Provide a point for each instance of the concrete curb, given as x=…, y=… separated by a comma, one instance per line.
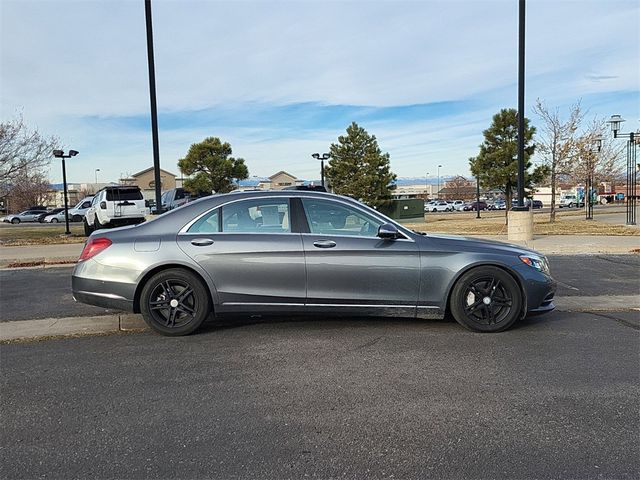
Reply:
x=68, y=326
x=129, y=322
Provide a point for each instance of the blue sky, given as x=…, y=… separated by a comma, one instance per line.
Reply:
x=281, y=80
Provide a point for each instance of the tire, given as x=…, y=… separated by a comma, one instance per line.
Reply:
x=15, y=221
x=571, y=205
x=167, y=309
x=96, y=223
x=54, y=220
x=87, y=228
x=486, y=299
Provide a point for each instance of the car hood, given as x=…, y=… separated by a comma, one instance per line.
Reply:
x=481, y=243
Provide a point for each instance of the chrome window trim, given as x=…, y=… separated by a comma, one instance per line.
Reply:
x=373, y=213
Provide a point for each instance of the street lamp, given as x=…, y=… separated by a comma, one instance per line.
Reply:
x=97, y=170
x=325, y=156
x=595, y=149
x=478, y=196
x=426, y=186
x=632, y=175
x=439, y=166
x=60, y=154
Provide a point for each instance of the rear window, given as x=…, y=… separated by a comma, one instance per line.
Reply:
x=124, y=194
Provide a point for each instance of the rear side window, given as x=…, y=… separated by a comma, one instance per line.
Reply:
x=124, y=194
x=257, y=216
x=207, y=224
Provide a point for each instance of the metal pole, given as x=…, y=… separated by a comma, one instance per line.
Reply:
x=521, y=117
x=631, y=180
x=154, y=108
x=66, y=202
x=478, y=197
x=322, y=172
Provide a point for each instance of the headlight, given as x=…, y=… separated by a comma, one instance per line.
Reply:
x=537, y=262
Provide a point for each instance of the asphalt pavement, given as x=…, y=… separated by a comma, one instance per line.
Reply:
x=36, y=293
x=555, y=397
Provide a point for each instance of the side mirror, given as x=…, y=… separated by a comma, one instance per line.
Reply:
x=388, y=231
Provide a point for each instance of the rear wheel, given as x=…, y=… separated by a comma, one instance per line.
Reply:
x=174, y=302
x=96, y=223
x=486, y=299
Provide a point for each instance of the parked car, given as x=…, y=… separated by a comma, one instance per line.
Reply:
x=442, y=206
x=457, y=204
x=292, y=252
x=115, y=206
x=481, y=205
x=56, y=217
x=570, y=201
x=536, y=204
x=26, y=216
x=429, y=205
x=176, y=197
x=76, y=214
x=497, y=205
x=53, y=211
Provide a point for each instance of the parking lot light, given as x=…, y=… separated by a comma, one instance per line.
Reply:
x=632, y=173
x=322, y=158
x=60, y=154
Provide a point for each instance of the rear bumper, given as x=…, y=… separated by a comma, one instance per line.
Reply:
x=116, y=295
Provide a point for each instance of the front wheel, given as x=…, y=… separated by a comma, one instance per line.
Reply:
x=174, y=302
x=15, y=221
x=486, y=299
x=571, y=205
x=54, y=220
x=87, y=228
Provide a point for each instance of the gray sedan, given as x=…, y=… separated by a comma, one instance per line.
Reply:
x=299, y=252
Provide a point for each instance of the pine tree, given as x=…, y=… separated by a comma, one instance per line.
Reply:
x=359, y=169
x=214, y=168
x=496, y=165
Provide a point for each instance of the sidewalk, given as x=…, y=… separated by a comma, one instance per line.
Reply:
x=547, y=244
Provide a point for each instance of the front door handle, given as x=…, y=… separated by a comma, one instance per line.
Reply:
x=202, y=242
x=324, y=243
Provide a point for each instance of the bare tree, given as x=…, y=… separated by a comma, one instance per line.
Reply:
x=557, y=143
x=23, y=149
x=604, y=165
x=29, y=191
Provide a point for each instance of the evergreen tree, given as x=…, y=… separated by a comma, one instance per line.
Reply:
x=214, y=168
x=497, y=163
x=359, y=169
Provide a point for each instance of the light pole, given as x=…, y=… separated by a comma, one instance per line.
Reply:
x=438, y=192
x=594, y=151
x=426, y=186
x=478, y=196
x=632, y=173
x=325, y=156
x=60, y=154
x=96, y=172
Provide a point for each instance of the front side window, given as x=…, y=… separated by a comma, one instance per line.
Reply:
x=332, y=218
x=264, y=215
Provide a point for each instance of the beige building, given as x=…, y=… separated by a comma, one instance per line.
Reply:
x=281, y=180
x=145, y=179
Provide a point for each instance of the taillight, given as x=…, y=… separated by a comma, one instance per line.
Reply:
x=93, y=247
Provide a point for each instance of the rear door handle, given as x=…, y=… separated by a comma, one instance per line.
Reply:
x=324, y=243
x=202, y=242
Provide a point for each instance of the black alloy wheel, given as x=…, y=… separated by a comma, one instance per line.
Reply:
x=486, y=299
x=174, y=302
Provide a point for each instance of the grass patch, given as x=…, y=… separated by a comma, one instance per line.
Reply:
x=17, y=235
x=493, y=223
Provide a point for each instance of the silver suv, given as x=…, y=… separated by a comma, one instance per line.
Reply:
x=115, y=206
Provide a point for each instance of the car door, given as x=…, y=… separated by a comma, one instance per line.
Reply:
x=349, y=265
x=249, y=250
